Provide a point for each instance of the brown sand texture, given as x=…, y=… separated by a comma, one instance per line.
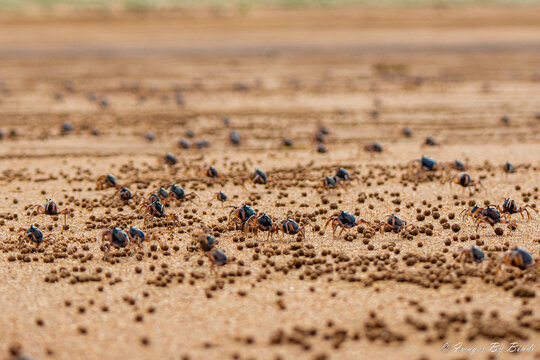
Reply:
x=469, y=77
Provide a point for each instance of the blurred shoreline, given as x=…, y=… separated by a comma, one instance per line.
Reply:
x=346, y=29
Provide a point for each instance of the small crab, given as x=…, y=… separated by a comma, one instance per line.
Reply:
x=156, y=209
x=211, y=172
x=183, y=143
x=138, y=236
x=407, y=132
x=473, y=212
x=115, y=237
x=124, y=194
x=258, y=177
x=177, y=193
x=492, y=216
x=322, y=149
x=234, y=136
x=473, y=254
x=153, y=197
x=35, y=235
x=425, y=163
x=393, y=223
x=509, y=207
x=430, y=141
x=373, y=147
x=66, y=128
x=50, y=208
x=161, y=195
x=464, y=179
x=344, y=220
x=200, y=144
x=217, y=258
x=149, y=136
x=343, y=175
x=106, y=181
x=323, y=130
x=256, y=223
x=220, y=196
x=170, y=159
x=458, y=165
x=330, y=182
x=207, y=241
x=290, y=227
x=509, y=168
x=517, y=257
x=240, y=214
x=287, y=142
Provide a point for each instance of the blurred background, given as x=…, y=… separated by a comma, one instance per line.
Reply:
x=266, y=25
x=276, y=58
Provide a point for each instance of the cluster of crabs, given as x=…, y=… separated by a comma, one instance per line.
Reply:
x=244, y=218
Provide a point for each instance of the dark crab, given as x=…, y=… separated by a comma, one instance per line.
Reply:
x=509, y=207
x=344, y=220
x=150, y=136
x=465, y=180
x=258, y=177
x=394, y=223
x=517, y=257
x=50, y=208
x=114, y=237
x=212, y=172
x=207, y=242
x=492, y=216
x=155, y=209
x=234, y=136
x=430, y=141
x=373, y=147
x=322, y=149
x=458, y=165
x=217, y=258
x=138, y=236
x=124, y=194
x=153, y=197
x=330, y=182
x=473, y=254
x=509, y=168
x=106, y=181
x=177, y=193
x=472, y=212
x=289, y=227
x=407, y=132
x=323, y=130
x=258, y=223
x=221, y=197
x=320, y=138
x=35, y=235
x=170, y=159
x=425, y=163
x=163, y=195
x=287, y=142
x=183, y=143
x=343, y=175
x=200, y=144
x=66, y=128
x=239, y=215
